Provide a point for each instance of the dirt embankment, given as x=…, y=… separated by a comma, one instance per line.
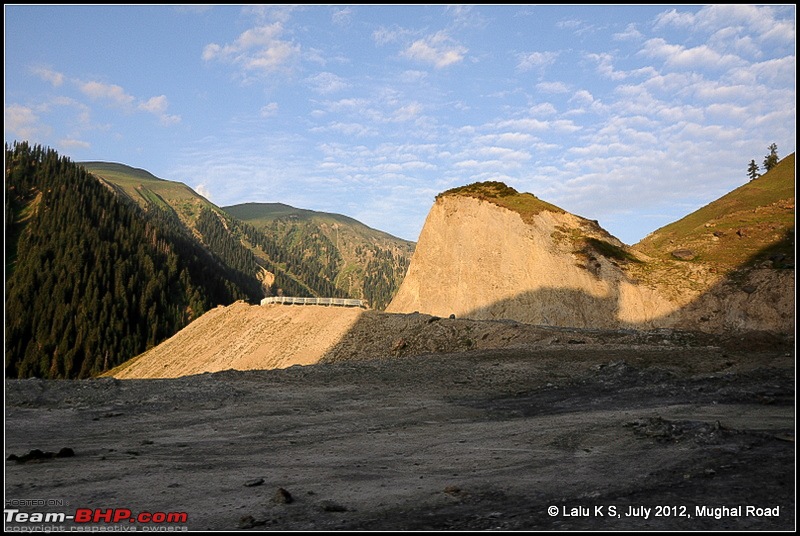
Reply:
x=245, y=337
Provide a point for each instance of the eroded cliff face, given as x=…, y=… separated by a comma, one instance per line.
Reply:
x=478, y=260
x=482, y=261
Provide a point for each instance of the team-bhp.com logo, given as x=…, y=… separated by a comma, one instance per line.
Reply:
x=96, y=515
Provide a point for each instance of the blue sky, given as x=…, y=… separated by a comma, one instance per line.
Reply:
x=633, y=116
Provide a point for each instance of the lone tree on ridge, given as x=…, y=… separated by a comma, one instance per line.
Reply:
x=771, y=160
x=752, y=170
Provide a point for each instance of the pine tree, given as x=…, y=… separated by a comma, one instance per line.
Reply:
x=752, y=170
x=771, y=160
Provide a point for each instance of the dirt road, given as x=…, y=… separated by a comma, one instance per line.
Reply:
x=488, y=439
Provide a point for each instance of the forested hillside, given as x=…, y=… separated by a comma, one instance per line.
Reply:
x=267, y=263
x=92, y=279
x=330, y=251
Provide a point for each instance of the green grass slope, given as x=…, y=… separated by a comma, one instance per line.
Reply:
x=751, y=224
x=308, y=253
x=146, y=189
x=261, y=214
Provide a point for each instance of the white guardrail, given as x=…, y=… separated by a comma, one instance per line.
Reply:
x=287, y=300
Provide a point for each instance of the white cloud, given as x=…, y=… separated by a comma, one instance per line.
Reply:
x=270, y=12
x=759, y=21
x=347, y=105
x=629, y=34
x=579, y=27
x=515, y=138
x=401, y=167
x=681, y=57
x=439, y=49
x=465, y=16
x=21, y=121
x=408, y=112
x=673, y=18
x=543, y=108
x=158, y=107
x=49, y=75
x=113, y=93
x=155, y=105
x=552, y=87
x=605, y=66
x=260, y=50
x=729, y=40
x=326, y=82
x=384, y=36
x=117, y=96
x=342, y=17
x=203, y=190
x=779, y=72
x=269, y=110
x=532, y=124
x=583, y=97
x=535, y=60
x=349, y=129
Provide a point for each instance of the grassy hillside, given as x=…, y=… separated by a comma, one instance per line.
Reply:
x=268, y=267
x=148, y=190
x=752, y=224
x=263, y=214
x=365, y=263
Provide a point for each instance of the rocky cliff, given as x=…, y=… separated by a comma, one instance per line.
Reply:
x=488, y=252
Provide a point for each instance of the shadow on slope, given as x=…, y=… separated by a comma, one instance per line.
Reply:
x=756, y=296
x=752, y=308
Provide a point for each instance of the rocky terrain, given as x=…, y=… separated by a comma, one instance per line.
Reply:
x=524, y=438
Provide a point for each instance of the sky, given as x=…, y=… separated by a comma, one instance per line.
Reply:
x=630, y=115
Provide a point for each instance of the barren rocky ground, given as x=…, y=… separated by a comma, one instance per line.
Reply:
x=482, y=439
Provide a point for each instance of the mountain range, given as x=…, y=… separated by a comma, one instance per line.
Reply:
x=104, y=261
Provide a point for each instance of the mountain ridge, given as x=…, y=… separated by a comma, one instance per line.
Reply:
x=592, y=280
x=291, y=252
